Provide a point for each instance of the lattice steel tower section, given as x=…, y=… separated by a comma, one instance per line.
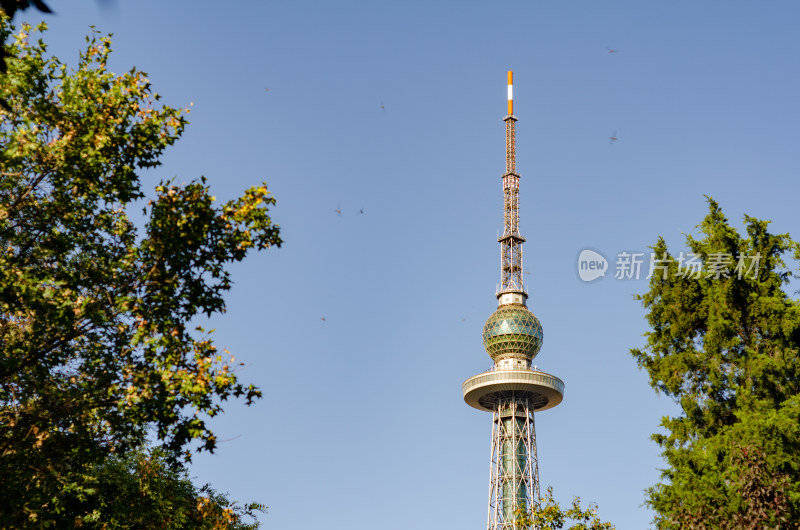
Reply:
x=511, y=390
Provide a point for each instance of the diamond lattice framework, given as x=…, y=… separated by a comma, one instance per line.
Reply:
x=512, y=331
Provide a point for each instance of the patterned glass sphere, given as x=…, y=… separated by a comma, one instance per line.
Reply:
x=512, y=331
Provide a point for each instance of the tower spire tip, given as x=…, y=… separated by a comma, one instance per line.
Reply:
x=510, y=93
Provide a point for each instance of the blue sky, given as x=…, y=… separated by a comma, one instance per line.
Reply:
x=362, y=424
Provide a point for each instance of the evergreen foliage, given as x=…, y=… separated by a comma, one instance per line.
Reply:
x=724, y=345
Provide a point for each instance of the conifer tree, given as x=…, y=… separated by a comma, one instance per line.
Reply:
x=723, y=344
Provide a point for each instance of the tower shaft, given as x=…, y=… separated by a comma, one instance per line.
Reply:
x=514, y=474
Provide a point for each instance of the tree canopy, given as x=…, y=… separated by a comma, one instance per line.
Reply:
x=142, y=489
x=99, y=306
x=723, y=343
x=549, y=515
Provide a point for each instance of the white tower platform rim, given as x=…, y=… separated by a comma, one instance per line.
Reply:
x=480, y=391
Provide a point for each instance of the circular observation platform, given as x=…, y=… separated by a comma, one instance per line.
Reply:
x=483, y=390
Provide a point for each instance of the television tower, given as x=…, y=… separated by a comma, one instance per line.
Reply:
x=511, y=390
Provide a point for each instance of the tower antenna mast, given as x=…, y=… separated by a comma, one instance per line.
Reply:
x=511, y=241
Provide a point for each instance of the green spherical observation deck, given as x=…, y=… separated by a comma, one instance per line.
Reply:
x=512, y=331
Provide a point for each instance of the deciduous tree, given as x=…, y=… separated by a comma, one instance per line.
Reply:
x=549, y=515
x=143, y=489
x=99, y=311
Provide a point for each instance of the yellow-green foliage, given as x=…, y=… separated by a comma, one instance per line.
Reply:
x=96, y=342
x=549, y=515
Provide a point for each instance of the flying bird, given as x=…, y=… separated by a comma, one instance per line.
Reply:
x=611, y=50
x=362, y=210
x=613, y=137
x=338, y=211
x=323, y=319
x=383, y=107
